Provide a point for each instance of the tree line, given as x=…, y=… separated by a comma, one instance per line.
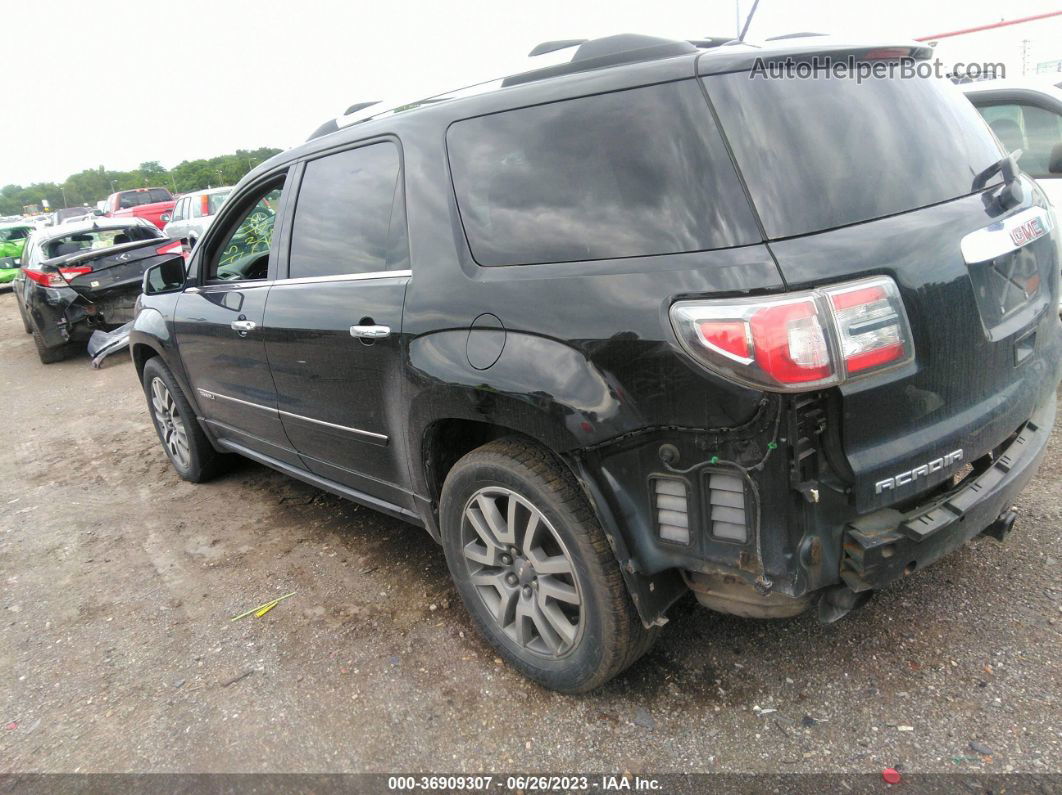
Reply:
x=93, y=184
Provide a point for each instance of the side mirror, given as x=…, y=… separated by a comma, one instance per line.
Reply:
x=165, y=218
x=1054, y=163
x=8, y=262
x=97, y=211
x=166, y=277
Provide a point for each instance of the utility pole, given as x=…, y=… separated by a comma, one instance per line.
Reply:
x=63, y=191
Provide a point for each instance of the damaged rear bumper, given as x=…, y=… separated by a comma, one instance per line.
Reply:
x=884, y=546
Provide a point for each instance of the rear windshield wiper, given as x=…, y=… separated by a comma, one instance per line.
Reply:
x=1011, y=194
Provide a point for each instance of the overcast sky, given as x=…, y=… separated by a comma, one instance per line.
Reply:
x=116, y=82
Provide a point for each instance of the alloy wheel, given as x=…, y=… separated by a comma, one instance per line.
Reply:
x=170, y=423
x=522, y=571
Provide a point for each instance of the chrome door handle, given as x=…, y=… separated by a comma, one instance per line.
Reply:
x=370, y=332
x=243, y=326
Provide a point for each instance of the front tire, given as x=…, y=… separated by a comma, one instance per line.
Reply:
x=535, y=570
x=185, y=444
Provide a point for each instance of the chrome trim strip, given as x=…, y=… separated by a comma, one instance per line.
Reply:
x=1005, y=236
x=206, y=393
x=346, y=428
x=212, y=287
x=344, y=277
x=214, y=395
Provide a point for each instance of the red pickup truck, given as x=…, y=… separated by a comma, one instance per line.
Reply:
x=148, y=203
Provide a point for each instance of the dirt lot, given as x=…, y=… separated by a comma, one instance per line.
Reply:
x=118, y=581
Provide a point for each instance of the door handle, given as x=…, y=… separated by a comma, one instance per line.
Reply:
x=243, y=326
x=370, y=332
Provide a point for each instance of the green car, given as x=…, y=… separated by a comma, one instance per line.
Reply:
x=12, y=240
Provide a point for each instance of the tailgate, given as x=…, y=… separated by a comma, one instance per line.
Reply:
x=119, y=267
x=987, y=341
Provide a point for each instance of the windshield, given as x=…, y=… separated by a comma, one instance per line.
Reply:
x=819, y=153
x=96, y=239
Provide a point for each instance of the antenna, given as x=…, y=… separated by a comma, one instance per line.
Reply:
x=748, y=21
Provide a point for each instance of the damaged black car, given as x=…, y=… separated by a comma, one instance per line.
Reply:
x=630, y=327
x=79, y=278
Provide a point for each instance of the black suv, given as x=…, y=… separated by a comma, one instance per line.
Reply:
x=647, y=322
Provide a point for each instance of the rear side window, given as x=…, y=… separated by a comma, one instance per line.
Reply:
x=822, y=153
x=626, y=174
x=349, y=216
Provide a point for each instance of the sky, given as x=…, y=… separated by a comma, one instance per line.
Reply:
x=117, y=83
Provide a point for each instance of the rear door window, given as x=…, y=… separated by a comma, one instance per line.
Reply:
x=819, y=153
x=349, y=217
x=631, y=173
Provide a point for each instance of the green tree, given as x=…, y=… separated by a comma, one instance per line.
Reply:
x=93, y=184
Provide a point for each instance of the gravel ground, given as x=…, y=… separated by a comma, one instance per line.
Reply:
x=118, y=581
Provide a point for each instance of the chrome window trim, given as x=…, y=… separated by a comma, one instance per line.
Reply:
x=345, y=277
x=209, y=395
x=213, y=287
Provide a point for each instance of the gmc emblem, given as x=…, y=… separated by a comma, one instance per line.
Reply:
x=911, y=475
x=1028, y=232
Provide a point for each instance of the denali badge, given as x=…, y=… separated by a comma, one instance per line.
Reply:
x=902, y=479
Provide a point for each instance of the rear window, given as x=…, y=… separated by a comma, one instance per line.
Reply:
x=821, y=153
x=134, y=198
x=630, y=173
x=97, y=239
x=215, y=200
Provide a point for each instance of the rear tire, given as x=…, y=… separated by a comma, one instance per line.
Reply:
x=25, y=319
x=187, y=447
x=535, y=570
x=49, y=355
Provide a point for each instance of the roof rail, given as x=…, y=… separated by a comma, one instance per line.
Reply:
x=360, y=106
x=553, y=46
x=599, y=53
x=795, y=36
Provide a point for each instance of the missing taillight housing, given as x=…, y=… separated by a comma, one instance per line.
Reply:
x=799, y=341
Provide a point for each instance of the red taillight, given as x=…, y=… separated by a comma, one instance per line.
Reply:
x=790, y=342
x=869, y=328
x=176, y=247
x=727, y=336
x=799, y=341
x=53, y=279
x=204, y=204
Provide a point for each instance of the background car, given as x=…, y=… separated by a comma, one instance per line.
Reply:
x=1026, y=115
x=148, y=203
x=13, y=239
x=193, y=213
x=78, y=278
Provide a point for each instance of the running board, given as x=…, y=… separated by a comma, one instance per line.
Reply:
x=325, y=484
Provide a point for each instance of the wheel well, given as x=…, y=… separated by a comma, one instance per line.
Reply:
x=446, y=441
x=141, y=354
